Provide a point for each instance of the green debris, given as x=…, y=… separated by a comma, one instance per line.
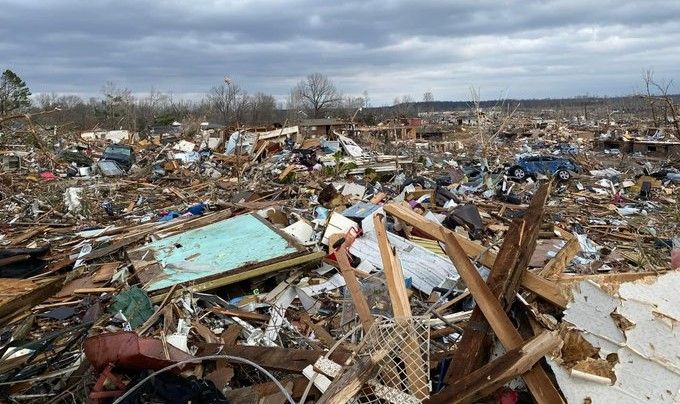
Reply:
x=134, y=304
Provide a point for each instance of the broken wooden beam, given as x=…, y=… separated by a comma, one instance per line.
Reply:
x=350, y=381
x=358, y=298
x=537, y=380
x=485, y=380
x=549, y=291
x=281, y=359
x=396, y=287
x=557, y=263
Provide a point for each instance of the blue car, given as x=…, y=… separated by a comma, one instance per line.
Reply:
x=530, y=166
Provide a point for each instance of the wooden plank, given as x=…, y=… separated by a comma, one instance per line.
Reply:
x=618, y=277
x=27, y=235
x=485, y=380
x=14, y=259
x=434, y=230
x=93, y=291
x=286, y=171
x=282, y=359
x=472, y=350
x=247, y=315
x=105, y=272
x=16, y=294
x=548, y=290
x=401, y=308
x=557, y=263
x=442, y=309
x=532, y=226
x=156, y=315
x=358, y=298
x=394, y=276
x=537, y=380
x=377, y=198
x=348, y=384
x=511, y=262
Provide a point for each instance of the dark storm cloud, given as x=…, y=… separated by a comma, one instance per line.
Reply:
x=389, y=48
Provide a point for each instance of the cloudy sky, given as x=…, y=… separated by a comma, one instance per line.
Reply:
x=527, y=49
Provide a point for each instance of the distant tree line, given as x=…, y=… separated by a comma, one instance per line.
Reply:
x=315, y=96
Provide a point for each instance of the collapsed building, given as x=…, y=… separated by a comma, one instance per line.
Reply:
x=331, y=262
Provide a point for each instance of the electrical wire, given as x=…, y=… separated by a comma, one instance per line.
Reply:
x=209, y=357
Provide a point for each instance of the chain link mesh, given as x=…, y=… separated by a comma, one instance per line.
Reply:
x=404, y=370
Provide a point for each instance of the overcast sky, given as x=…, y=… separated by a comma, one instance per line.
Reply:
x=528, y=49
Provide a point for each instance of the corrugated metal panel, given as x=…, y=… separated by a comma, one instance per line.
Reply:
x=430, y=245
x=425, y=268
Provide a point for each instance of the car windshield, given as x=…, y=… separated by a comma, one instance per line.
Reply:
x=118, y=150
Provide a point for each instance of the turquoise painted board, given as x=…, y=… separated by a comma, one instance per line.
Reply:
x=216, y=249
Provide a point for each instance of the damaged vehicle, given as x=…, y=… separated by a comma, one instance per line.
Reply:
x=116, y=160
x=532, y=165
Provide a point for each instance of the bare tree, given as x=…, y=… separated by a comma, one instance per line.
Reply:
x=117, y=107
x=428, y=97
x=490, y=123
x=230, y=102
x=367, y=100
x=263, y=108
x=221, y=99
x=294, y=107
x=403, y=106
x=153, y=109
x=648, y=78
x=317, y=93
x=663, y=97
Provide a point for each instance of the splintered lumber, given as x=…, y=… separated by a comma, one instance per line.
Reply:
x=544, y=288
x=488, y=378
x=286, y=171
x=473, y=250
x=326, y=367
x=281, y=359
x=394, y=276
x=532, y=226
x=349, y=382
x=401, y=308
x=20, y=294
x=27, y=235
x=536, y=379
x=510, y=263
x=557, y=264
x=476, y=340
x=323, y=335
x=358, y=298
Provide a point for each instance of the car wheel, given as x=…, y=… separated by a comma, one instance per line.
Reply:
x=518, y=173
x=563, y=175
